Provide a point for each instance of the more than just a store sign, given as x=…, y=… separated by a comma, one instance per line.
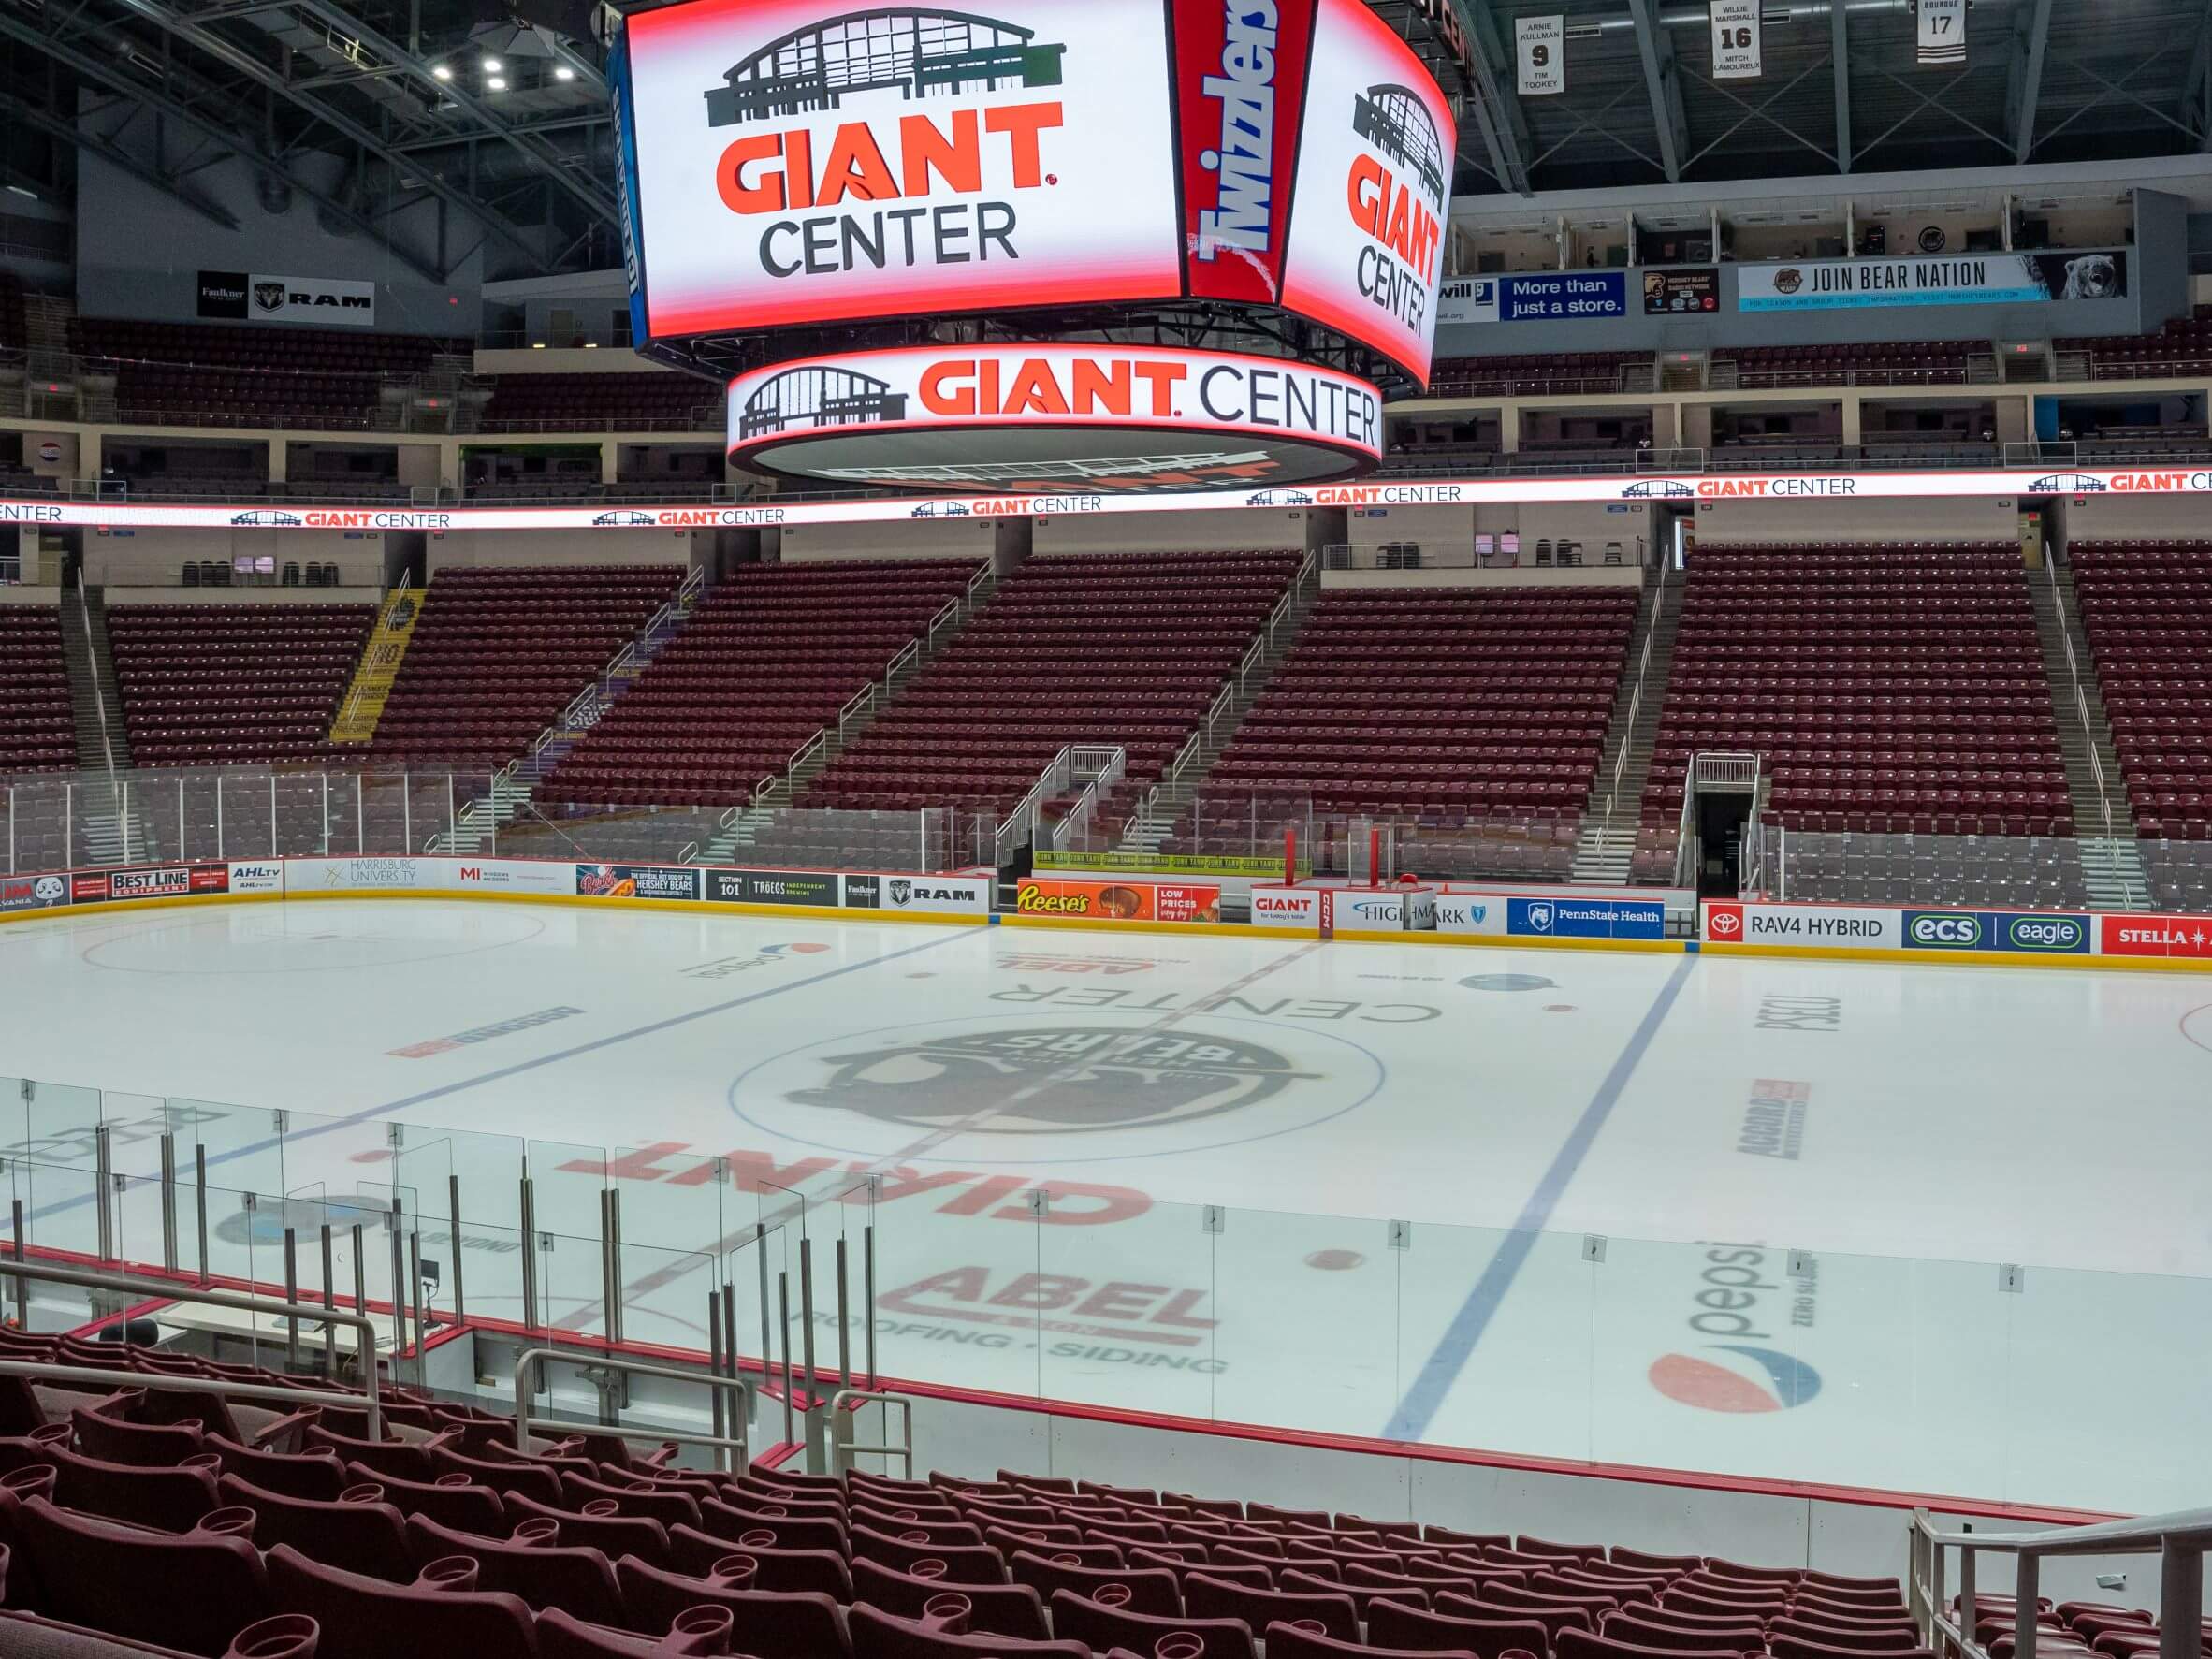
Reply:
x=791, y=163
x=1055, y=418
x=1683, y=489
x=1965, y=279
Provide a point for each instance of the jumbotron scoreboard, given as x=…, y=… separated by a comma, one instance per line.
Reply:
x=1113, y=244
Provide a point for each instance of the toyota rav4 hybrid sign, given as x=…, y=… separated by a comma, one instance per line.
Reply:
x=787, y=162
x=1078, y=416
x=799, y=161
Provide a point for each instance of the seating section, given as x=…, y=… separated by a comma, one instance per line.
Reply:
x=1533, y=376
x=1994, y=872
x=1893, y=688
x=208, y=374
x=2146, y=609
x=440, y=1537
x=767, y=660
x=216, y=345
x=2182, y=346
x=1125, y=648
x=500, y=651
x=1444, y=710
x=600, y=402
x=1901, y=362
x=38, y=732
x=211, y=685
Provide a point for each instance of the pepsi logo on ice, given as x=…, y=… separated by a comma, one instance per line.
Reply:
x=1740, y=1305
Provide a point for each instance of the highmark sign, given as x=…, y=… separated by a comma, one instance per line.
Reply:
x=1682, y=488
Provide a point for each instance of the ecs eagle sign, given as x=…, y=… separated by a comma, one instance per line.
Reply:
x=799, y=162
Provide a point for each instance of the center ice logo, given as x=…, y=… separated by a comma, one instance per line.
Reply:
x=1057, y=1079
x=1746, y=1379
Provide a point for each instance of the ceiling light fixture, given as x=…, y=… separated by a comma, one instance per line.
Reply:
x=442, y=72
x=497, y=83
x=563, y=72
x=492, y=66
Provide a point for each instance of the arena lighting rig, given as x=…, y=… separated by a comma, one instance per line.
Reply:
x=1120, y=245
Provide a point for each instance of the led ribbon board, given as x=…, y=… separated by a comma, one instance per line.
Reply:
x=1026, y=418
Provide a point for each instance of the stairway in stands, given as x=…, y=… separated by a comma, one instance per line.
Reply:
x=103, y=751
x=1610, y=823
x=1155, y=820
x=2111, y=861
x=379, y=666
x=513, y=786
x=744, y=826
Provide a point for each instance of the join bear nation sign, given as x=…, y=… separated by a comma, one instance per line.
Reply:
x=789, y=162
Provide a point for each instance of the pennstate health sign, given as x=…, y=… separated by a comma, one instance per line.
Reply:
x=1090, y=416
x=798, y=162
x=788, y=162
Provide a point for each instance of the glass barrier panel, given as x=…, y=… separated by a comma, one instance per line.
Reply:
x=959, y=1241
x=1126, y=1313
x=242, y=1147
x=1307, y=1321
x=571, y=1286
x=1494, y=1341
x=567, y=1181
x=666, y=1295
x=2106, y=1401
x=343, y=815
x=61, y=1211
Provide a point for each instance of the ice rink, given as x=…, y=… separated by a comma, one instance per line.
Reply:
x=1691, y=1212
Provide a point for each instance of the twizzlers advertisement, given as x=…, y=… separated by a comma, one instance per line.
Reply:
x=1366, y=252
x=792, y=161
x=1316, y=166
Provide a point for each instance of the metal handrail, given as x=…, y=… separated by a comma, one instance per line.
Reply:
x=92, y=663
x=2081, y=701
x=528, y=1359
x=844, y=1407
x=2180, y=1537
x=161, y=1291
x=1636, y=703
x=374, y=657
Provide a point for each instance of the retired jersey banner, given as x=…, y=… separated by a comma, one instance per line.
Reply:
x=1981, y=279
x=1735, y=48
x=1942, y=31
x=1540, y=44
x=798, y=162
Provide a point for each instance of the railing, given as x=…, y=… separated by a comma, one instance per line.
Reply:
x=2081, y=701
x=738, y=1408
x=92, y=667
x=293, y=1310
x=1018, y=827
x=1104, y=767
x=1635, y=702
x=2179, y=1539
x=382, y=659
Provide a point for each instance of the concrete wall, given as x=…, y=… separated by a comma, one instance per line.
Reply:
x=560, y=546
x=1995, y=519
x=150, y=558
x=1171, y=532
x=118, y=598
x=1521, y=575
x=2095, y=517
x=925, y=538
